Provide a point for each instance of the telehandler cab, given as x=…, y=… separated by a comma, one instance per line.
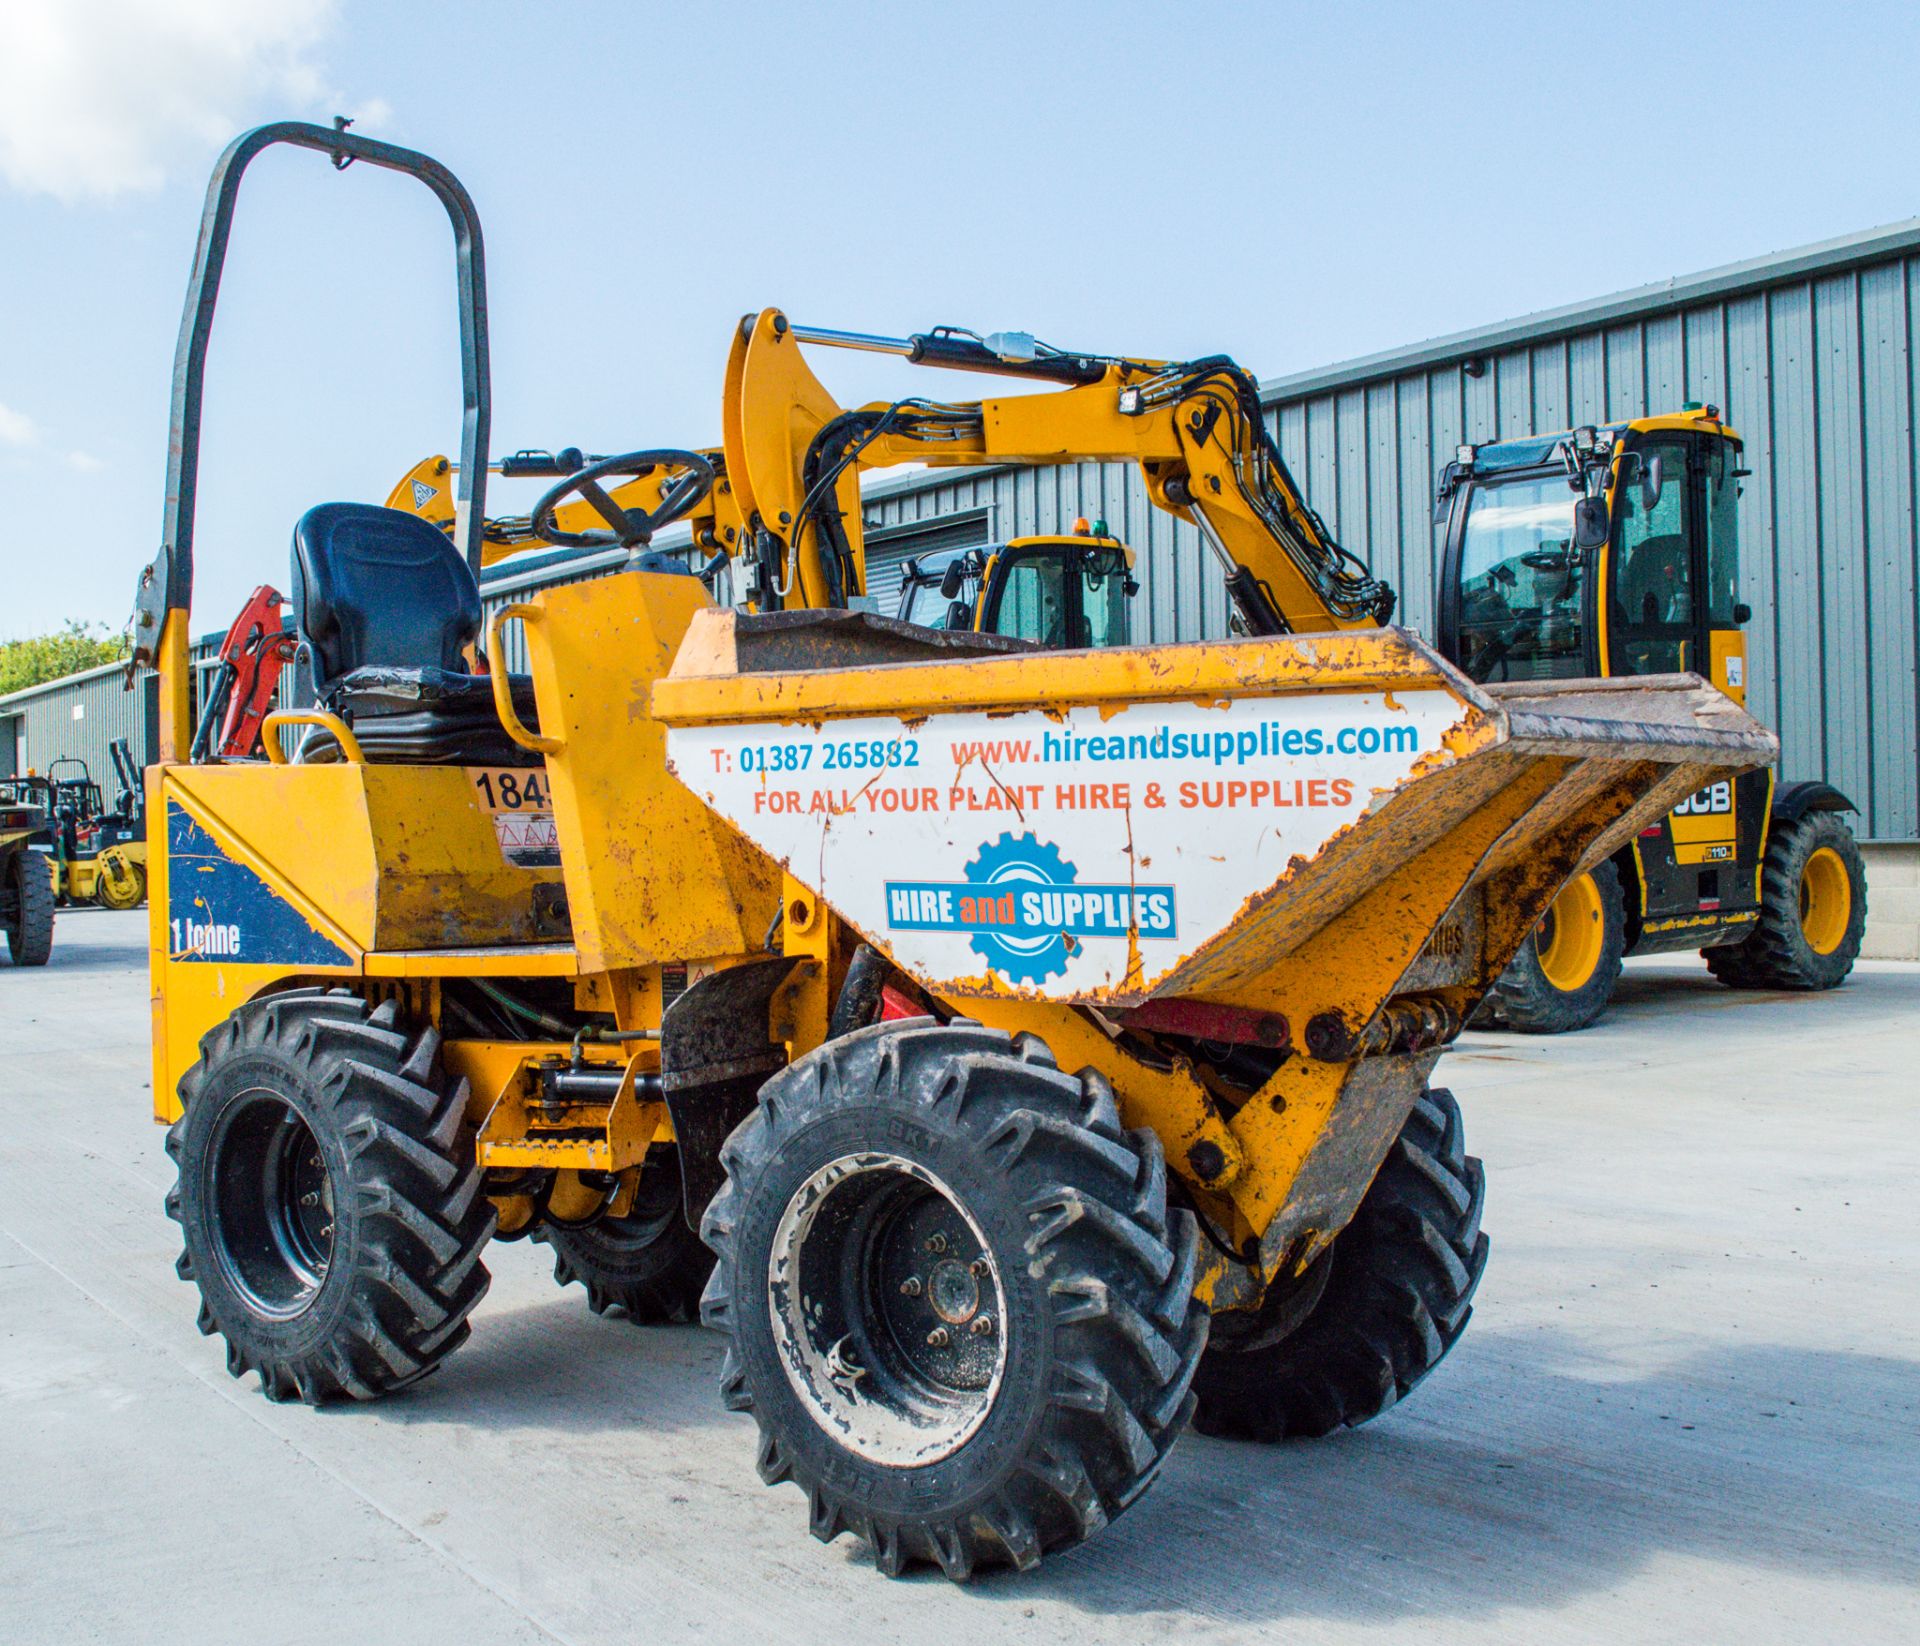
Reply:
x=1614, y=552
x=1001, y=1017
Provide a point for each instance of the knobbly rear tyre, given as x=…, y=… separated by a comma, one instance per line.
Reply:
x=957, y=1150
x=649, y=1265
x=329, y=1197
x=1376, y=1314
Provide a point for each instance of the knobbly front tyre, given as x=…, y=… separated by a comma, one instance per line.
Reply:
x=650, y=1264
x=329, y=1196
x=1373, y=1315
x=954, y=1297
x=1565, y=973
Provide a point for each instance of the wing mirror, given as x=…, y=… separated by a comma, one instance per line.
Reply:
x=1590, y=522
x=1653, y=482
x=951, y=579
x=1742, y=612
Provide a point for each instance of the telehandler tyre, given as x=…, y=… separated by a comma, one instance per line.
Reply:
x=649, y=1264
x=954, y=1297
x=30, y=932
x=1565, y=973
x=329, y=1196
x=1813, y=911
x=1375, y=1314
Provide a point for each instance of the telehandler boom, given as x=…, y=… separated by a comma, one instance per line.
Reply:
x=1003, y=1018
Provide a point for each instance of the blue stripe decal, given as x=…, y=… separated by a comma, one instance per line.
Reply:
x=219, y=910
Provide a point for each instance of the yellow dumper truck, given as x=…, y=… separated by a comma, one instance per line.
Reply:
x=1040, y=1041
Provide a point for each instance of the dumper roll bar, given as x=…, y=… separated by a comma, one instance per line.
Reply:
x=166, y=585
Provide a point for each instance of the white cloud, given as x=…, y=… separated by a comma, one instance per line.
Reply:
x=84, y=463
x=100, y=97
x=16, y=428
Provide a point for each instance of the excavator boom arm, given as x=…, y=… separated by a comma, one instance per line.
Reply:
x=1195, y=429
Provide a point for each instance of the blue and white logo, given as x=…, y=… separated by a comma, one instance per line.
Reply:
x=1023, y=908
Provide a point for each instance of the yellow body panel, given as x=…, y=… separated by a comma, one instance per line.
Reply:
x=1727, y=667
x=651, y=875
x=386, y=857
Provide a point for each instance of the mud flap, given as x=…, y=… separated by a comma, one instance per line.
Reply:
x=716, y=1052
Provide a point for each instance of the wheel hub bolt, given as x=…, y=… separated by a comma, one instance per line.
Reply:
x=910, y=1287
x=309, y=1199
x=937, y=1243
x=982, y=1326
x=938, y=1338
x=979, y=1268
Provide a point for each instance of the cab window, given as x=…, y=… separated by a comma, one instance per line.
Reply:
x=1650, y=602
x=1103, y=598
x=1522, y=606
x=1033, y=600
x=1723, y=532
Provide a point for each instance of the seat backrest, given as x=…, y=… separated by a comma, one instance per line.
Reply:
x=379, y=587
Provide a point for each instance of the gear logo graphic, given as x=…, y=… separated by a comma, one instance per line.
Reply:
x=1022, y=860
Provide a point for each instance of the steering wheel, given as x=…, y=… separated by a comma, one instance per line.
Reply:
x=627, y=529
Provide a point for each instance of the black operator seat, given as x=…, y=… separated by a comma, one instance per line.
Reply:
x=384, y=606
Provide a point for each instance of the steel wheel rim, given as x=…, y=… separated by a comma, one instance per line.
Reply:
x=888, y=1310
x=271, y=1200
x=120, y=886
x=1573, y=935
x=1826, y=900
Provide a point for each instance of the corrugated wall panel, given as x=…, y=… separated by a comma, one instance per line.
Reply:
x=1383, y=482
x=1796, y=529
x=1887, y=443
x=1418, y=465
x=81, y=720
x=1550, y=387
x=1842, y=565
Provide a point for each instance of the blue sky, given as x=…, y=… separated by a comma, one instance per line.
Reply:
x=1290, y=184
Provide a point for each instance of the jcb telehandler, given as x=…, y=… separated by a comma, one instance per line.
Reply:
x=1002, y=1017
x=1614, y=552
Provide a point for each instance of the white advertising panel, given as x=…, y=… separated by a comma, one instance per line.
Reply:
x=1049, y=848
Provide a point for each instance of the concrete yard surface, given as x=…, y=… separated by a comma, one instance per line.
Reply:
x=1688, y=1407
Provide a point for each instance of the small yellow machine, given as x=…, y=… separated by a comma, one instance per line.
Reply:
x=1003, y=1018
x=1615, y=552
x=100, y=854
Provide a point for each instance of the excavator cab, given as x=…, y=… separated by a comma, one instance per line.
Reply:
x=1064, y=593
